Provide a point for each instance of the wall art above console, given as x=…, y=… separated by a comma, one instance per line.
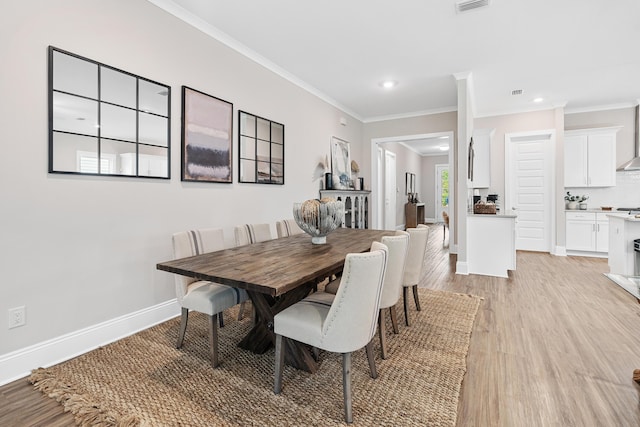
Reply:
x=106, y=121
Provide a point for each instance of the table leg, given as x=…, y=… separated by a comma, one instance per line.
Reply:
x=261, y=337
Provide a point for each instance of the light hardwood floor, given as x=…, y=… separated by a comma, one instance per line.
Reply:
x=555, y=344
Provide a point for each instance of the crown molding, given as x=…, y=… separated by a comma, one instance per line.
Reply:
x=601, y=108
x=410, y=115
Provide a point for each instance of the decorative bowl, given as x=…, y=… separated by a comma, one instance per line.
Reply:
x=318, y=218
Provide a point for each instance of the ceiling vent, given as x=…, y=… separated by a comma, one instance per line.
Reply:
x=465, y=6
x=516, y=92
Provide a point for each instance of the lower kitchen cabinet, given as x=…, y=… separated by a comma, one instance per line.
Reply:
x=587, y=232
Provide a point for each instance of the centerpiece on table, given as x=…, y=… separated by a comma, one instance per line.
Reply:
x=572, y=202
x=318, y=218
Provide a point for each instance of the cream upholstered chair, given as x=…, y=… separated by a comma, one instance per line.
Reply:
x=445, y=226
x=414, y=267
x=199, y=295
x=342, y=324
x=393, y=280
x=252, y=233
x=287, y=227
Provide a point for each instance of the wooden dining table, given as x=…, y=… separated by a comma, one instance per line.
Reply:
x=276, y=274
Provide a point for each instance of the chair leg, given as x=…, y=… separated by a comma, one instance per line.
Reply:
x=279, y=365
x=346, y=386
x=394, y=319
x=383, y=335
x=372, y=360
x=213, y=339
x=415, y=297
x=183, y=326
x=444, y=229
x=221, y=319
x=316, y=353
x=405, y=291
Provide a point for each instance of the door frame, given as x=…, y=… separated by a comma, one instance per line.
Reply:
x=509, y=139
x=377, y=143
x=391, y=210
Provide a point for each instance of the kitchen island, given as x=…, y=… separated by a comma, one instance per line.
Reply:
x=623, y=229
x=491, y=244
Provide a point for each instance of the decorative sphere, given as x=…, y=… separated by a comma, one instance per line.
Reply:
x=318, y=218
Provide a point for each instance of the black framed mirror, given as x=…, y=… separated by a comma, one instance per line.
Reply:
x=261, y=149
x=106, y=121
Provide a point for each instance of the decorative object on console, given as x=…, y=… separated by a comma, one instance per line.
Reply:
x=207, y=132
x=341, y=164
x=318, y=218
x=106, y=121
x=261, y=150
x=484, y=208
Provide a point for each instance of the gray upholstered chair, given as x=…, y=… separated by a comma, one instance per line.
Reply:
x=398, y=246
x=252, y=233
x=287, y=227
x=342, y=323
x=414, y=268
x=393, y=280
x=199, y=295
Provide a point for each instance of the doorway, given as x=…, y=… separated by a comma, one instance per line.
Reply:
x=441, y=202
x=529, y=187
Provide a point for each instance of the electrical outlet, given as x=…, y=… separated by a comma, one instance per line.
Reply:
x=17, y=317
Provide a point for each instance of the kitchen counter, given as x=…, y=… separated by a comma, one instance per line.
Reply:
x=623, y=229
x=491, y=243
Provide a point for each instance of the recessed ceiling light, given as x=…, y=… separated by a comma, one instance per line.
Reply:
x=443, y=147
x=538, y=99
x=388, y=84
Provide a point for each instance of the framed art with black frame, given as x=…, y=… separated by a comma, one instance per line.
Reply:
x=207, y=134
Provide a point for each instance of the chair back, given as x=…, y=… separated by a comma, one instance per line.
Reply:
x=394, y=274
x=287, y=227
x=190, y=243
x=416, y=255
x=351, y=321
x=252, y=233
x=445, y=218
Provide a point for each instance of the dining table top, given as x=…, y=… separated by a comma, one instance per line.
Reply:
x=277, y=266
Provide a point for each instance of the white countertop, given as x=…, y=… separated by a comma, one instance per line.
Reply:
x=623, y=215
x=508, y=214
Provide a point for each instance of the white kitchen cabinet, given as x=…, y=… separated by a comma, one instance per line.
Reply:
x=482, y=158
x=623, y=230
x=590, y=157
x=587, y=232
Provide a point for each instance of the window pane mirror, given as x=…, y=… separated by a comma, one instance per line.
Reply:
x=105, y=121
x=261, y=149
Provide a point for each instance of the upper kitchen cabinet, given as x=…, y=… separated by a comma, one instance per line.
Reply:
x=590, y=157
x=482, y=158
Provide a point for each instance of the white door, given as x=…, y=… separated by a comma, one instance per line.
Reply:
x=380, y=201
x=528, y=188
x=389, y=190
x=442, y=191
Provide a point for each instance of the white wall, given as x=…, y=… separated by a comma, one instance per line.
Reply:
x=77, y=251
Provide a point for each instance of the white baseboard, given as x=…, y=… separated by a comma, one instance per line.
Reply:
x=19, y=363
x=462, y=268
x=560, y=251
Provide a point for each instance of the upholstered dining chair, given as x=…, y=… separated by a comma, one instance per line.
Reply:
x=445, y=226
x=287, y=227
x=393, y=280
x=252, y=233
x=199, y=295
x=414, y=267
x=342, y=323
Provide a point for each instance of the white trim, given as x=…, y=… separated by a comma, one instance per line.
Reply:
x=19, y=363
x=462, y=268
x=197, y=22
x=600, y=108
x=559, y=251
x=410, y=114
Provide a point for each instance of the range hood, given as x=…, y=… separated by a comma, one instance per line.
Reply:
x=634, y=164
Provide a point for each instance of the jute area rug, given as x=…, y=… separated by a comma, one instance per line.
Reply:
x=144, y=380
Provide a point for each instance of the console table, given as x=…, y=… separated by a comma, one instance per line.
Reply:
x=356, y=206
x=414, y=214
